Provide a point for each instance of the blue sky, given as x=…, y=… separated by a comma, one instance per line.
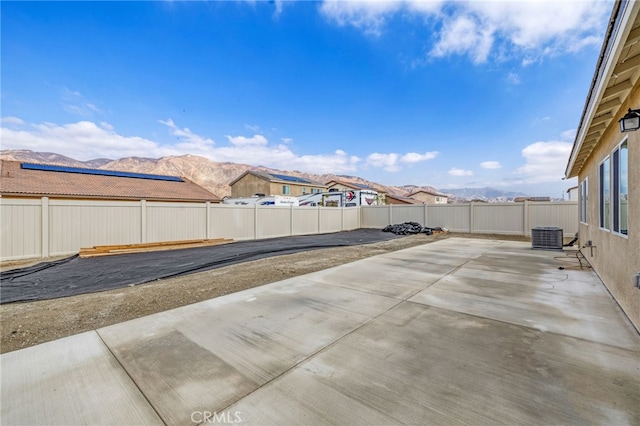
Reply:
x=440, y=93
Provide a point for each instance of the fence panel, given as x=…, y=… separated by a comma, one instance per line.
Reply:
x=175, y=221
x=351, y=218
x=42, y=227
x=408, y=213
x=454, y=217
x=74, y=224
x=330, y=219
x=505, y=218
x=21, y=224
x=561, y=214
x=274, y=221
x=374, y=216
x=231, y=221
x=305, y=220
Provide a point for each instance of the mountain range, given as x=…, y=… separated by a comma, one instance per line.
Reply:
x=215, y=176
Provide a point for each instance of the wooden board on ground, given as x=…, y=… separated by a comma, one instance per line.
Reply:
x=111, y=250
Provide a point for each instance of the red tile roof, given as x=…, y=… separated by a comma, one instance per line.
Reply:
x=16, y=181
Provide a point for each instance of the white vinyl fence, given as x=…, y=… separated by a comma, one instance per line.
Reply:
x=481, y=218
x=36, y=228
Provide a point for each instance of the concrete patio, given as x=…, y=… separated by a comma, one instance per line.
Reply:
x=460, y=331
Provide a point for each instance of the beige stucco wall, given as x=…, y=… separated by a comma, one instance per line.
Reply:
x=250, y=184
x=430, y=198
x=616, y=258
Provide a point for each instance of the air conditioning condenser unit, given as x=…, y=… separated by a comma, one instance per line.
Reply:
x=546, y=238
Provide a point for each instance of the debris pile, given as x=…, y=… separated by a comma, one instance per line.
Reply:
x=406, y=228
x=410, y=228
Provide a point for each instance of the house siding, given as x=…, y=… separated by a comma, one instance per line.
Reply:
x=429, y=198
x=615, y=258
x=249, y=185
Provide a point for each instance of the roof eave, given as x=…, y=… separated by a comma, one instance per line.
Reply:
x=608, y=58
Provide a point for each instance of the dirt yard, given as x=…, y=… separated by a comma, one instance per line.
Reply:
x=30, y=323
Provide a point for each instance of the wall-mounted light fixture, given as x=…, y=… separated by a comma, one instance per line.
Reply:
x=631, y=121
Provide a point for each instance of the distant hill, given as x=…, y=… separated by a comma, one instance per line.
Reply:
x=485, y=194
x=211, y=175
x=27, y=156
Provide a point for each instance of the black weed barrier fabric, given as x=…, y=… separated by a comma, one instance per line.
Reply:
x=76, y=275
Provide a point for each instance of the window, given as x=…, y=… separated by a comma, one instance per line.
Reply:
x=583, y=198
x=620, y=190
x=304, y=190
x=316, y=190
x=604, y=179
x=286, y=190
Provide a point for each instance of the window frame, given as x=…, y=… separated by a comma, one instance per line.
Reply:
x=616, y=188
x=604, y=194
x=583, y=201
x=286, y=190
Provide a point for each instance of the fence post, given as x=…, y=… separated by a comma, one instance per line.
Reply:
x=471, y=219
x=390, y=214
x=291, y=220
x=525, y=218
x=426, y=218
x=207, y=217
x=255, y=221
x=44, y=227
x=143, y=221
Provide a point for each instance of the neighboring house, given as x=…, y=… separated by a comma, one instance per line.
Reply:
x=535, y=199
x=341, y=186
x=428, y=197
x=572, y=194
x=398, y=199
x=607, y=163
x=253, y=182
x=26, y=180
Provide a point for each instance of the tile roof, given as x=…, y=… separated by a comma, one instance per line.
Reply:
x=15, y=180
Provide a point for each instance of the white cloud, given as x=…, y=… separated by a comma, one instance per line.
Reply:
x=368, y=16
x=388, y=162
x=532, y=29
x=74, y=103
x=188, y=141
x=513, y=78
x=85, y=140
x=568, y=135
x=244, y=141
x=465, y=35
x=490, y=165
x=414, y=157
x=391, y=162
x=529, y=30
x=460, y=172
x=12, y=121
x=544, y=161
